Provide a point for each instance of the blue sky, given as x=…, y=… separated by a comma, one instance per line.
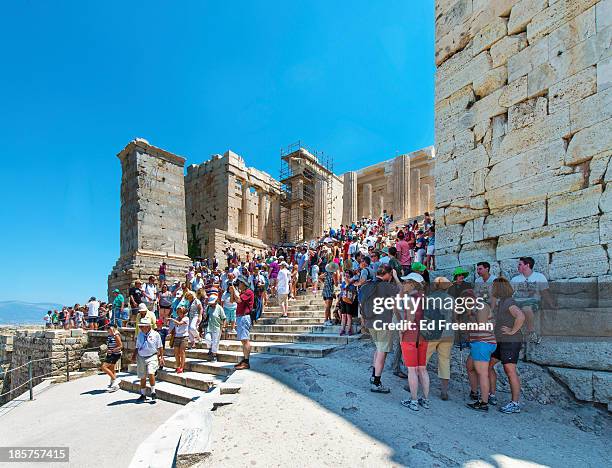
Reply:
x=81, y=79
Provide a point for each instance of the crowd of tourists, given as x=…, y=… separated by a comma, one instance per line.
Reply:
x=350, y=268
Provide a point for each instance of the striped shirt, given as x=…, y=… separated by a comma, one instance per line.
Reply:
x=486, y=336
x=111, y=343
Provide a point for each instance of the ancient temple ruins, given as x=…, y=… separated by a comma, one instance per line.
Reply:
x=172, y=217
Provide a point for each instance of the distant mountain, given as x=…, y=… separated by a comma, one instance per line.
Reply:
x=24, y=313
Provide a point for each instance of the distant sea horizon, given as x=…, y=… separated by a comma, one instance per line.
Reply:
x=24, y=313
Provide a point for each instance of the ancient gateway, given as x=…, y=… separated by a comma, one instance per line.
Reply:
x=172, y=217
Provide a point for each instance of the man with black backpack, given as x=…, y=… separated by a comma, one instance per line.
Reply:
x=439, y=307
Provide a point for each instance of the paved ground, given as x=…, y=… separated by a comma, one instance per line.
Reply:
x=101, y=429
x=320, y=412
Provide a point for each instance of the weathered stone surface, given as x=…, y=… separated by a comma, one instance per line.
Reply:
x=475, y=252
x=527, y=60
x=605, y=202
x=598, y=167
x=526, y=165
x=602, y=387
x=449, y=237
x=572, y=89
x=522, y=13
x=591, y=110
x=491, y=81
x=555, y=16
x=572, y=353
x=557, y=237
x=527, y=112
x=588, y=142
x=90, y=360
x=579, y=381
x=580, y=204
x=538, y=187
x=603, y=14
x=507, y=47
x=548, y=128
x=605, y=228
x=448, y=84
x=490, y=34
x=604, y=74
x=581, y=262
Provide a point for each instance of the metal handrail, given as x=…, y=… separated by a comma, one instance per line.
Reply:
x=31, y=377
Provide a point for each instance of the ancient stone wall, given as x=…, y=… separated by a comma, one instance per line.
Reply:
x=523, y=136
x=47, y=350
x=153, y=226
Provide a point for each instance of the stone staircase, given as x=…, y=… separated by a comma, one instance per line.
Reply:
x=300, y=334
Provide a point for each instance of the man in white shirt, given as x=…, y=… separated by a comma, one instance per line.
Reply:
x=283, y=281
x=197, y=283
x=484, y=281
x=149, y=293
x=530, y=293
x=92, y=313
x=149, y=355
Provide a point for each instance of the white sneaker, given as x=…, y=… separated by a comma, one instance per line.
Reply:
x=114, y=388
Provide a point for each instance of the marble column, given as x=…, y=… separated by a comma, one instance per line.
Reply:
x=349, y=198
x=425, y=198
x=275, y=213
x=262, y=211
x=415, y=193
x=367, y=201
x=380, y=206
x=320, y=208
x=244, y=211
x=401, y=187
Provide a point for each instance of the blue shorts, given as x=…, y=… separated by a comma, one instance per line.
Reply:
x=230, y=314
x=243, y=327
x=481, y=351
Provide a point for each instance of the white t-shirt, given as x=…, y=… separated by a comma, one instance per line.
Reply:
x=282, y=281
x=47, y=318
x=150, y=293
x=529, y=287
x=480, y=285
x=92, y=308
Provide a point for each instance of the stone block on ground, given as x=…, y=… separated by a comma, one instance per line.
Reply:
x=579, y=381
x=90, y=360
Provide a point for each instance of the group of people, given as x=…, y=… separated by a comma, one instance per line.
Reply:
x=350, y=267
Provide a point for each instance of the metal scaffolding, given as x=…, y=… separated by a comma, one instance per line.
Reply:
x=301, y=168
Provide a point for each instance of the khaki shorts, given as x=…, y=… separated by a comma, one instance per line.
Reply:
x=383, y=339
x=146, y=366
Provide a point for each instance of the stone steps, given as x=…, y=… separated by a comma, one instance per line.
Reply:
x=232, y=349
x=218, y=368
x=294, y=314
x=166, y=391
x=281, y=328
x=290, y=320
x=300, y=337
x=295, y=308
x=191, y=379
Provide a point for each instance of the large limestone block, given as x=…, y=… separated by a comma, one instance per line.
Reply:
x=527, y=60
x=588, y=142
x=538, y=187
x=587, y=354
x=602, y=386
x=448, y=236
x=565, y=63
x=591, y=110
x=472, y=160
x=598, y=167
x=491, y=81
x=527, y=112
x=573, y=32
x=451, y=43
x=582, y=262
x=514, y=92
x=448, y=84
x=490, y=34
x=605, y=202
x=579, y=381
x=447, y=257
x=605, y=228
x=521, y=166
x=571, y=295
x=555, y=16
x=457, y=14
x=604, y=74
x=556, y=237
x=549, y=128
x=460, y=214
x=603, y=14
x=572, y=89
x=581, y=204
x=483, y=109
x=506, y=48
x=472, y=253
x=522, y=12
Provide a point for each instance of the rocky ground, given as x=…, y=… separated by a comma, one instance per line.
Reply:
x=320, y=412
